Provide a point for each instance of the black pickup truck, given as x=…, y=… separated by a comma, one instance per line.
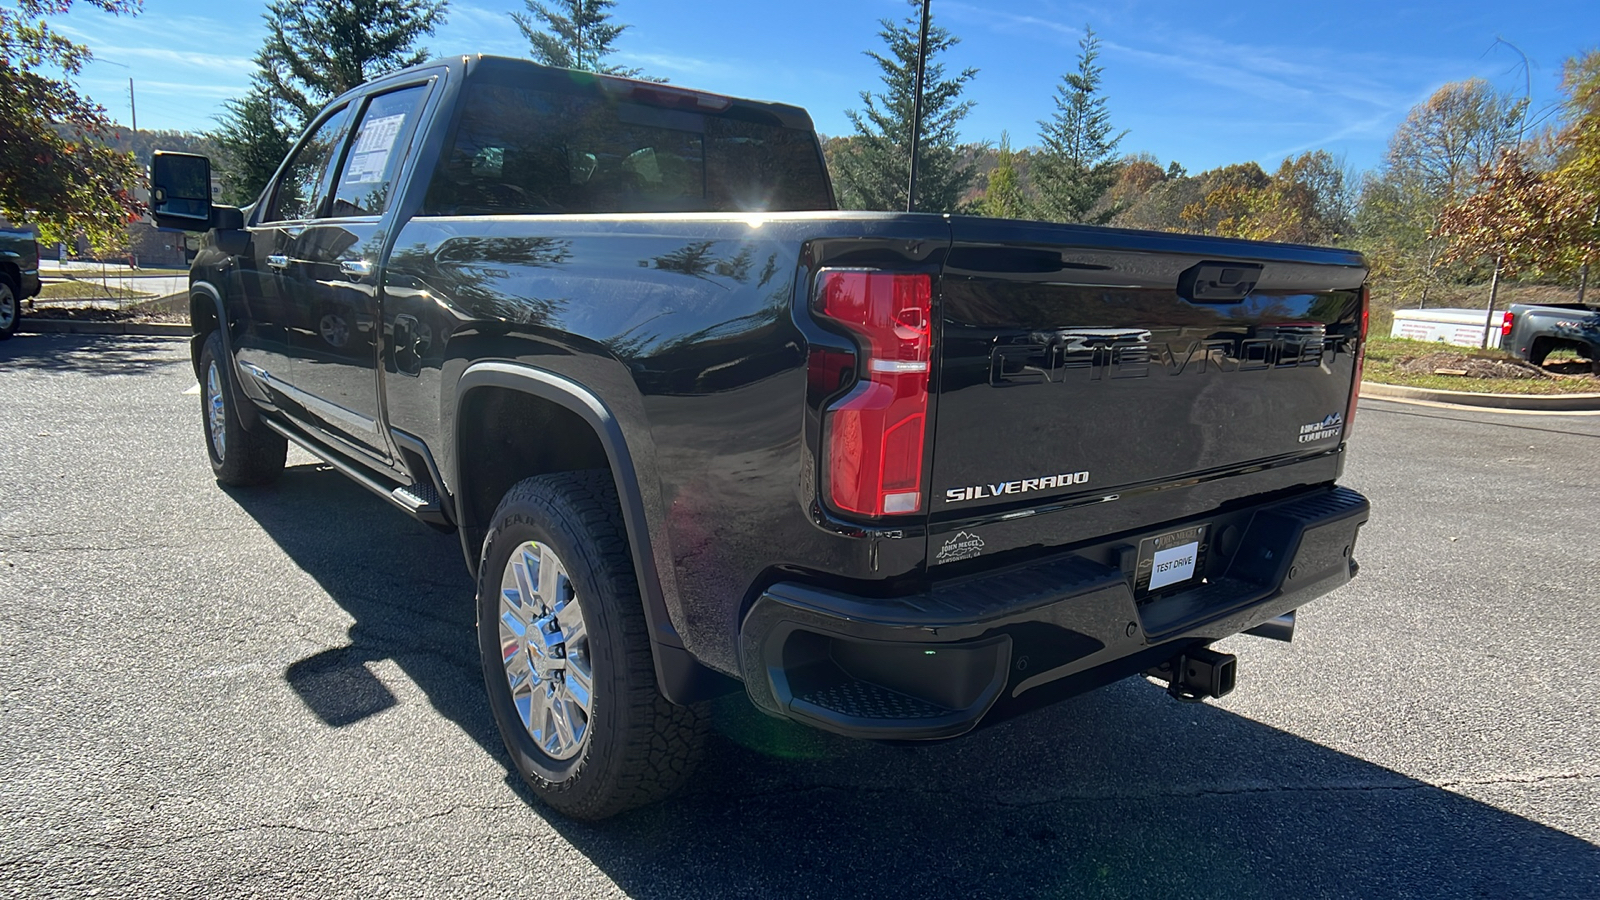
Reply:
x=899, y=475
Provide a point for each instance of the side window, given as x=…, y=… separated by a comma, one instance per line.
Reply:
x=520, y=151
x=303, y=185
x=375, y=154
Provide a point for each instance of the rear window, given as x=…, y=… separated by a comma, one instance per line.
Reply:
x=522, y=151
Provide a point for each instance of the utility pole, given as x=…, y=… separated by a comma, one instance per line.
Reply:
x=133, y=108
x=916, y=110
x=1522, y=124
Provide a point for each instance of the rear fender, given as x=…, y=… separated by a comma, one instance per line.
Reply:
x=681, y=678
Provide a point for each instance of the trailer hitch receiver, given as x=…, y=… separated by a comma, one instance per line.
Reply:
x=1198, y=674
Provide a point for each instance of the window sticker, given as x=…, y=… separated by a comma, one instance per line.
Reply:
x=370, y=156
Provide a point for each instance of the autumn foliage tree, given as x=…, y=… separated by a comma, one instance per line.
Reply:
x=1578, y=175
x=56, y=169
x=1518, y=215
x=1136, y=177
x=1535, y=218
x=1433, y=160
x=1304, y=202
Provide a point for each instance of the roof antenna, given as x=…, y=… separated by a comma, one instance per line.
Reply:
x=916, y=110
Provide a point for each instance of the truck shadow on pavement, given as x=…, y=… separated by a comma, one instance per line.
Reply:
x=1118, y=793
x=91, y=354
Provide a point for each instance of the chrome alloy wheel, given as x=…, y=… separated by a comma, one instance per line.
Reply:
x=8, y=306
x=544, y=648
x=216, y=412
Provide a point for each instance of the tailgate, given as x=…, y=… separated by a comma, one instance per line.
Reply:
x=1080, y=362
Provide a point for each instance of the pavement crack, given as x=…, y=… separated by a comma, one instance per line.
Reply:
x=309, y=829
x=90, y=549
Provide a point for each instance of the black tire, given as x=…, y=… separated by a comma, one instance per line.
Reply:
x=638, y=748
x=10, y=308
x=244, y=458
x=1539, y=352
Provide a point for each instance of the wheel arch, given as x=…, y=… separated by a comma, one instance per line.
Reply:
x=681, y=678
x=207, y=313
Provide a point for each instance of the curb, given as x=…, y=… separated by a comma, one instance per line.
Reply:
x=73, y=326
x=1523, y=402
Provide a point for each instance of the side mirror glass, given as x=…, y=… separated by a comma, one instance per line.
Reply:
x=180, y=191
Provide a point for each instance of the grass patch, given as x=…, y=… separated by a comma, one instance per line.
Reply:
x=173, y=308
x=86, y=290
x=1386, y=358
x=1388, y=349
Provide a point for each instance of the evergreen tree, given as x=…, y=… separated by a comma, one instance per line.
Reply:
x=318, y=49
x=874, y=168
x=578, y=34
x=1003, y=199
x=1078, y=163
x=315, y=50
x=254, y=136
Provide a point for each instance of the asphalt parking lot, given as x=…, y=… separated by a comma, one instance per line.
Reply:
x=213, y=693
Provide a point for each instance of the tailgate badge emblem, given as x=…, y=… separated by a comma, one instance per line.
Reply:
x=1321, y=431
x=1022, y=486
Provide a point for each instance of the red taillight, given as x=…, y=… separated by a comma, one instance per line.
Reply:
x=1361, y=362
x=1505, y=324
x=874, y=435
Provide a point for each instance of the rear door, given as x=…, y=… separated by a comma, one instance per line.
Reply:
x=1081, y=362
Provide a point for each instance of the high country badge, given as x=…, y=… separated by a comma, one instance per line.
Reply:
x=1321, y=431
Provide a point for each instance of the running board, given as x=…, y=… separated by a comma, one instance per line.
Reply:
x=420, y=501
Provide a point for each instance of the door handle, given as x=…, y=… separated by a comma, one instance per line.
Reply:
x=278, y=261
x=357, y=267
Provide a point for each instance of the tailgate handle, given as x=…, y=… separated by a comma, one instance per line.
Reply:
x=1216, y=282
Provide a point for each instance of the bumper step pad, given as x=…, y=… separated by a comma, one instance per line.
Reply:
x=864, y=700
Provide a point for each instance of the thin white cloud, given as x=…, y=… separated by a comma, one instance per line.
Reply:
x=206, y=62
x=178, y=89
x=470, y=15
x=677, y=64
x=1010, y=22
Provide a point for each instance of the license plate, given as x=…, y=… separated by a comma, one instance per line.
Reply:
x=1174, y=558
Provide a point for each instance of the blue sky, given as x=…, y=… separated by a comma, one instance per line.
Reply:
x=1204, y=84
